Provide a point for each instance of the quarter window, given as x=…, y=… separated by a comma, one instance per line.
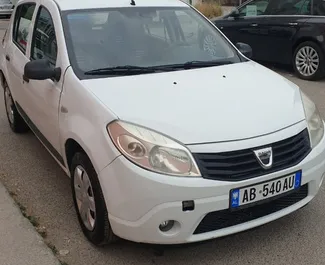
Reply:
x=44, y=43
x=23, y=19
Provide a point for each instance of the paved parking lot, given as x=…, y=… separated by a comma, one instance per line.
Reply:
x=28, y=170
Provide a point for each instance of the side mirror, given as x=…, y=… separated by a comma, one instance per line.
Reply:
x=41, y=69
x=234, y=13
x=245, y=49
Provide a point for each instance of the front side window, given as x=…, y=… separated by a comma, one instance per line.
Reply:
x=143, y=37
x=23, y=19
x=254, y=8
x=44, y=43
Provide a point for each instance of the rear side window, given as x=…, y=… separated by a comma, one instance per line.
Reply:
x=319, y=7
x=22, y=21
x=289, y=7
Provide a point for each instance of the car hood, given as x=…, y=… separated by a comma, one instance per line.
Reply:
x=205, y=105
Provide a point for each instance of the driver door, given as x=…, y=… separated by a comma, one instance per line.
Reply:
x=43, y=96
x=244, y=27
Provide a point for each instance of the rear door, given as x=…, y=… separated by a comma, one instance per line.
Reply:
x=16, y=52
x=278, y=29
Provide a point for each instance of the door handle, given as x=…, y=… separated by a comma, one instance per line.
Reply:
x=26, y=79
x=293, y=23
x=254, y=25
x=7, y=58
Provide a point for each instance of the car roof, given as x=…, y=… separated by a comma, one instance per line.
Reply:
x=88, y=4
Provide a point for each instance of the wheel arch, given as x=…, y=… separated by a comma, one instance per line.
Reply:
x=71, y=147
x=304, y=39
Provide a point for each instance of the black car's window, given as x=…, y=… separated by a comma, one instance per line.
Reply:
x=23, y=18
x=276, y=7
x=254, y=8
x=289, y=7
x=44, y=43
x=319, y=7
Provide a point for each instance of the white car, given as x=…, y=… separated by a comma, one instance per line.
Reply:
x=170, y=134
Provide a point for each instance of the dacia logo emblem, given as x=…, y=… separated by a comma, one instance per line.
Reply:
x=264, y=157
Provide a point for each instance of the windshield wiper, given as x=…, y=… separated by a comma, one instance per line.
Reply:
x=121, y=70
x=196, y=64
x=132, y=69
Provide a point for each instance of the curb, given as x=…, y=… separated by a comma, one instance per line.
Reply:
x=22, y=244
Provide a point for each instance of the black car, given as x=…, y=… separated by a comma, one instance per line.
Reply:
x=288, y=32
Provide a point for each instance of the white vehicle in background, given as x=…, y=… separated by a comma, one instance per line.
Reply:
x=170, y=134
x=6, y=7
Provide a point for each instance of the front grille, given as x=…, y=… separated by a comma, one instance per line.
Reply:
x=227, y=218
x=243, y=164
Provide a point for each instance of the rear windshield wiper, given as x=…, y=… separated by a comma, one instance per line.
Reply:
x=121, y=70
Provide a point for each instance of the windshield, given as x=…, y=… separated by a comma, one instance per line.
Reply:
x=142, y=37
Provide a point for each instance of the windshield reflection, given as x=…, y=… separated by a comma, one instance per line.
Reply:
x=143, y=37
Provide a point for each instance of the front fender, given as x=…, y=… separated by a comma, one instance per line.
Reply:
x=84, y=119
x=93, y=141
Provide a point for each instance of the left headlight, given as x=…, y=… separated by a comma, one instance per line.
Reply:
x=314, y=120
x=151, y=150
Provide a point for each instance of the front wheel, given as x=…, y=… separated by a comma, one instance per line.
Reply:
x=308, y=61
x=89, y=201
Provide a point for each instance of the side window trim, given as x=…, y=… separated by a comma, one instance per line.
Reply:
x=15, y=28
x=39, y=10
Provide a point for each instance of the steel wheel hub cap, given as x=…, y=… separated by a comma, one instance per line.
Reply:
x=210, y=45
x=307, y=61
x=85, y=198
x=9, y=106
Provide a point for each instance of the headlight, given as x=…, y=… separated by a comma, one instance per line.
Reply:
x=314, y=120
x=152, y=150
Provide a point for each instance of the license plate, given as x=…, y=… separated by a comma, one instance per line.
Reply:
x=255, y=193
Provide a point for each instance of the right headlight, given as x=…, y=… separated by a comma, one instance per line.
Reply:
x=314, y=120
x=152, y=150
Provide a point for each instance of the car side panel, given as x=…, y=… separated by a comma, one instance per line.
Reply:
x=83, y=118
x=276, y=37
x=314, y=30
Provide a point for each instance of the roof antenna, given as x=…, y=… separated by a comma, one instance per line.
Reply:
x=132, y=3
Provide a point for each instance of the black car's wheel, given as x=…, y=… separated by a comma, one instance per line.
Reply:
x=16, y=122
x=308, y=61
x=89, y=201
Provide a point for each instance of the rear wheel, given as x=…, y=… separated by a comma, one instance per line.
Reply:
x=308, y=61
x=16, y=122
x=89, y=201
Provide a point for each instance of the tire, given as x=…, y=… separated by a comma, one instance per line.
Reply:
x=99, y=232
x=16, y=122
x=315, y=52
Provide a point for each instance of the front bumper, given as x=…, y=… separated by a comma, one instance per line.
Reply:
x=138, y=201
